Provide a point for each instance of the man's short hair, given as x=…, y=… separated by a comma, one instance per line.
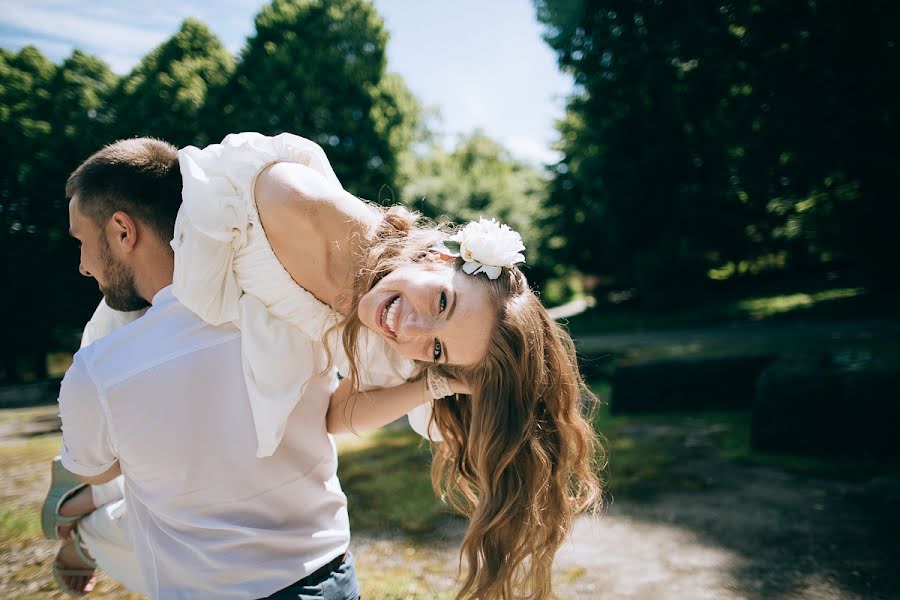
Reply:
x=138, y=176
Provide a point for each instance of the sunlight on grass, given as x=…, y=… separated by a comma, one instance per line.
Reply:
x=387, y=479
x=761, y=308
x=18, y=523
x=397, y=584
x=58, y=363
x=39, y=449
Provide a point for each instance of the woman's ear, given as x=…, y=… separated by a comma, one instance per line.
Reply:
x=437, y=255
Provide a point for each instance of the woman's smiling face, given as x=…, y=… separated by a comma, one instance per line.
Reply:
x=430, y=311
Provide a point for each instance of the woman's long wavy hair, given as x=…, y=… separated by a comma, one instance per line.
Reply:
x=519, y=458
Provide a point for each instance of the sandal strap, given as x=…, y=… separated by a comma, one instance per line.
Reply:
x=82, y=551
x=74, y=572
x=50, y=517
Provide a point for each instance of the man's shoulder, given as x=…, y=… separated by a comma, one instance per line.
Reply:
x=164, y=333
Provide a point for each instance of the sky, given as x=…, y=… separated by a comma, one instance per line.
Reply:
x=482, y=64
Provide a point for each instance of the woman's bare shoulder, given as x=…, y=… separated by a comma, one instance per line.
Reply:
x=296, y=197
x=313, y=226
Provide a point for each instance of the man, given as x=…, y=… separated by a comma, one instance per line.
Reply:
x=162, y=400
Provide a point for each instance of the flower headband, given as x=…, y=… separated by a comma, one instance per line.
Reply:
x=487, y=246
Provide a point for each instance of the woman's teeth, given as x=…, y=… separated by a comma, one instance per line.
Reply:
x=390, y=315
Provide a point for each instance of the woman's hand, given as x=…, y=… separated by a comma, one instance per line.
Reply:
x=458, y=386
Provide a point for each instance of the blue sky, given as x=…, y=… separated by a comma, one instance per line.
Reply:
x=483, y=64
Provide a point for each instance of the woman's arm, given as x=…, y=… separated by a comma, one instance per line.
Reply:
x=364, y=411
x=315, y=228
x=369, y=410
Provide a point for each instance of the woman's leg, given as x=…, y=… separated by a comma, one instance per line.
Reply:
x=88, y=499
x=103, y=533
x=105, y=536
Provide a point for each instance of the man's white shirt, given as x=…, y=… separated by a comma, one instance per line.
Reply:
x=165, y=396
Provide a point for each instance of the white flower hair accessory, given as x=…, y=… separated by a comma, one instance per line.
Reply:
x=487, y=246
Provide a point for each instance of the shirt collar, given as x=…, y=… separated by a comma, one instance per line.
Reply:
x=163, y=296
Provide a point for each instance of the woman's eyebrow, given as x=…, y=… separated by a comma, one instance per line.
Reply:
x=452, y=306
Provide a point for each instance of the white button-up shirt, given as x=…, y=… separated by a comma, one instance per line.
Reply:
x=165, y=397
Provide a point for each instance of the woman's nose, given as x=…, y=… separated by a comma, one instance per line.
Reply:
x=417, y=326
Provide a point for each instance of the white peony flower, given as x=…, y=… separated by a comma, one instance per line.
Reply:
x=487, y=246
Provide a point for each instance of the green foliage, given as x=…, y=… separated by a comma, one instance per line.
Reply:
x=317, y=68
x=480, y=179
x=166, y=94
x=702, y=134
x=313, y=68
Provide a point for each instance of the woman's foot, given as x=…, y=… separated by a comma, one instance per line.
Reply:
x=72, y=574
x=80, y=504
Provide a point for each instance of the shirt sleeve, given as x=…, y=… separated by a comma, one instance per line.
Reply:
x=87, y=448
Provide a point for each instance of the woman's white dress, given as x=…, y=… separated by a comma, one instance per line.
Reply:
x=226, y=271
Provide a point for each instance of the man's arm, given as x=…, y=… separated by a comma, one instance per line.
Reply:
x=87, y=450
x=113, y=472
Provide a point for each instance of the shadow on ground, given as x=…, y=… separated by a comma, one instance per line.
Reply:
x=738, y=530
x=696, y=526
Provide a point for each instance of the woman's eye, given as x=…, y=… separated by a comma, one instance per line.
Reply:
x=438, y=350
x=443, y=302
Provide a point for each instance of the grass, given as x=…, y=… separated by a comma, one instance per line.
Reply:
x=769, y=306
x=386, y=475
x=647, y=451
x=18, y=524
x=387, y=478
x=35, y=450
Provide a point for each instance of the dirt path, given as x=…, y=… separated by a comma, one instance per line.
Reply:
x=751, y=533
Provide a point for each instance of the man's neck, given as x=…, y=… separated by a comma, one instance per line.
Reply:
x=155, y=274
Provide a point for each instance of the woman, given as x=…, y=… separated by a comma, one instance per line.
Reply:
x=315, y=278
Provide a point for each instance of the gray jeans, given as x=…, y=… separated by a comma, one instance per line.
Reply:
x=335, y=583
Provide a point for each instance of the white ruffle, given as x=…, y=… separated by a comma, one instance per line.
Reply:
x=106, y=320
x=226, y=271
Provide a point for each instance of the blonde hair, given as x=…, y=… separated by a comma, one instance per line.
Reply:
x=520, y=457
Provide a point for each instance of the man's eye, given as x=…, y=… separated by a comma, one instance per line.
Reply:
x=438, y=350
x=443, y=302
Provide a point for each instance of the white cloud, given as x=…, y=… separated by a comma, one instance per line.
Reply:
x=104, y=32
x=531, y=150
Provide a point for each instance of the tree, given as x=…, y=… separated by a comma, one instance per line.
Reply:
x=166, y=95
x=51, y=118
x=317, y=69
x=703, y=135
x=477, y=179
x=25, y=111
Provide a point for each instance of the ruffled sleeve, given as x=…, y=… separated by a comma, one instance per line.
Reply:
x=221, y=279
x=106, y=320
x=225, y=271
x=212, y=223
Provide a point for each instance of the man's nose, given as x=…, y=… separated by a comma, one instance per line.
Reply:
x=82, y=270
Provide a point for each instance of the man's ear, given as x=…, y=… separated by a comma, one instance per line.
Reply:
x=122, y=231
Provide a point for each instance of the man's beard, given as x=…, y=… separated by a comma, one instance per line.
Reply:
x=119, y=291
